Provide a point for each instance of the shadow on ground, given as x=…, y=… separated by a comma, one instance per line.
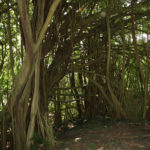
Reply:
x=106, y=135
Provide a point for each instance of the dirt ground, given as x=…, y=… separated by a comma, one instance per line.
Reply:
x=106, y=135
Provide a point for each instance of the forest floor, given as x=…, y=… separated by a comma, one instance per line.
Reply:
x=106, y=135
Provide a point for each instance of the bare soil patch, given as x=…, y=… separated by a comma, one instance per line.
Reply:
x=101, y=135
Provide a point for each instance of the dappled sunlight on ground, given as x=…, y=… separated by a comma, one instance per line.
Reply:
x=78, y=139
x=101, y=148
x=118, y=136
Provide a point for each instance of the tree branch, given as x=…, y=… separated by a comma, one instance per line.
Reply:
x=45, y=26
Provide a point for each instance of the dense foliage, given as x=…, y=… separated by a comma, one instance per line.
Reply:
x=71, y=60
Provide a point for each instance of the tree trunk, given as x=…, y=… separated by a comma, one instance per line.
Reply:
x=117, y=106
x=18, y=105
x=57, y=105
x=143, y=82
x=10, y=47
x=75, y=92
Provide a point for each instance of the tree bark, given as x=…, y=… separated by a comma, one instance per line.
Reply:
x=10, y=47
x=18, y=105
x=117, y=106
x=143, y=82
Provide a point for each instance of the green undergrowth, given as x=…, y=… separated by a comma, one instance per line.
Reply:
x=38, y=142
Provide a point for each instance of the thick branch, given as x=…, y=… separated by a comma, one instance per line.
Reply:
x=135, y=44
x=45, y=26
x=26, y=26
